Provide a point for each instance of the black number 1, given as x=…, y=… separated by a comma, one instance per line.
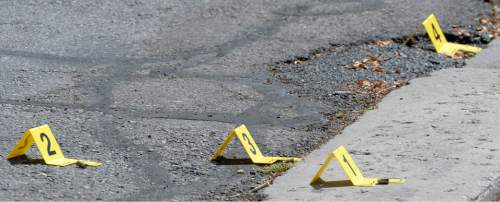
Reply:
x=345, y=160
x=254, y=152
x=44, y=136
x=436, y=34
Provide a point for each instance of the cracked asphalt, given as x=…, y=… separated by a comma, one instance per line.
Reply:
x=151, y=88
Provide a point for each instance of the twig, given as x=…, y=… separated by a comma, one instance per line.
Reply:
x=411, y=36
x=262, y=186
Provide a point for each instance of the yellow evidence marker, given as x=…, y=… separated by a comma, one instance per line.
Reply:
x=352, y=171
x=438, y=39
x=250, y=147
x=47, y=146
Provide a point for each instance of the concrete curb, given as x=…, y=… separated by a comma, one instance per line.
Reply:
x=440, y=133
x=491, y=193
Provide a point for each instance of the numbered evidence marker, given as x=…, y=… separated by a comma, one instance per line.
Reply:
x=47, y=146
x=442, y=46
x=250, y=147
x=352, y=171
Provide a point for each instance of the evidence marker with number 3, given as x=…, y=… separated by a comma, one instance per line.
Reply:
x=250, y=147
x=352, y=171
x=47, y=146
x=439, y=41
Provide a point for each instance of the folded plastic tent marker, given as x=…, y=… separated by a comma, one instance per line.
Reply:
x=352, y=171
x=439, y=41
x=47, y=146
x=250, y=147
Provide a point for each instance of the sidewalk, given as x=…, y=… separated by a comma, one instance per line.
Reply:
x=440, y=133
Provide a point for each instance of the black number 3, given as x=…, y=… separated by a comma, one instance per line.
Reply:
x=44, y=136
x=254, y=152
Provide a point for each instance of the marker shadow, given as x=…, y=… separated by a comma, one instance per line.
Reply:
x=320, y=184
x=23, y=159
x=225, y=161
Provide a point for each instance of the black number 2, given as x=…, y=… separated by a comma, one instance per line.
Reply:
x=44, y=136
x=254, y=152
x=436, y=34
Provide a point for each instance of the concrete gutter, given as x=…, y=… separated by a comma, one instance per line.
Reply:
x=440, y=133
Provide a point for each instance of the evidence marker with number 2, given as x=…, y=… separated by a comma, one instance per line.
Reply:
x=352, y=171
x=47, y=146
x=250, y=147
x=439, y=41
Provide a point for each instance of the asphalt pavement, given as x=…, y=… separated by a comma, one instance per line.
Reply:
x=151, y=88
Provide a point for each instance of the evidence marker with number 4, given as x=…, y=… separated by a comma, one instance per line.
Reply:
x=439, y=41
x=250, y=147
x=48, y=147
x=351, y=169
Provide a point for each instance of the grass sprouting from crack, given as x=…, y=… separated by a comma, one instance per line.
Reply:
x=277, y=168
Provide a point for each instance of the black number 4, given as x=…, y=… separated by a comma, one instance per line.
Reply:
x=436, y=34
x=44, y=136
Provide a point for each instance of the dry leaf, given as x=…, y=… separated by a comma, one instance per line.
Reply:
x=383, y=43
x=363, y=83
x=372, y=60
x=380, y=87
x=378, y=69
x=358, y=65
x=483, y=21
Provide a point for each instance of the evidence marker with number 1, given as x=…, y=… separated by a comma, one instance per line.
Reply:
x=250, y=147
x=351, y=169
x=47, y=146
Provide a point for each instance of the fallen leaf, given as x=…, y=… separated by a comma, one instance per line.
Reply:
x=363, y=83
x=372, y=60
x=397, y=71
x=380, y=88
x=383, y=43
x=378, y=69
x=358, y=65
x=483, y=21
